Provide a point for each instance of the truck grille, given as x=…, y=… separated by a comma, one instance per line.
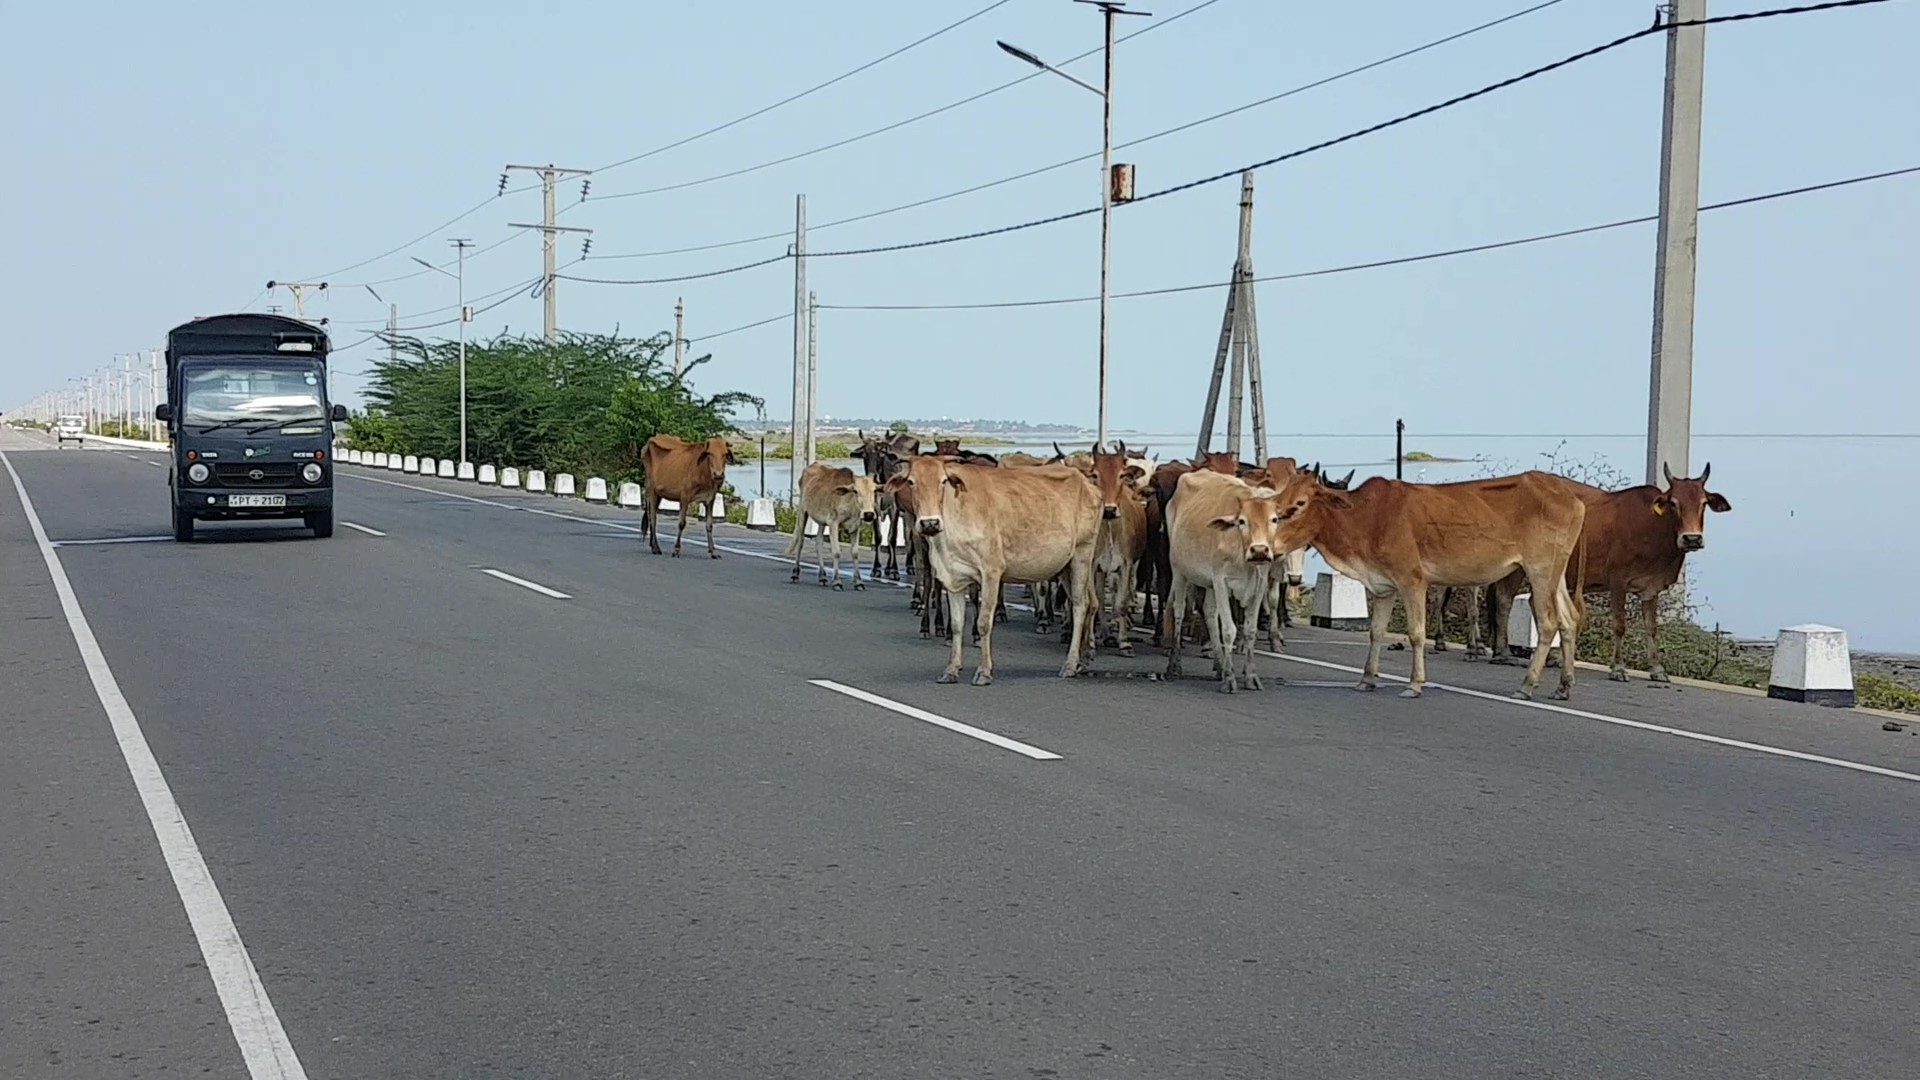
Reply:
x=271, y=474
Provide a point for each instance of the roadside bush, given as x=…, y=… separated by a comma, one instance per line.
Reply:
x=1880, y=692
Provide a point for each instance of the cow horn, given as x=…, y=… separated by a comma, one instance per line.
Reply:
x=1706, y=472
x=1058, y=454
x=1348, y=479
x=1667, y=472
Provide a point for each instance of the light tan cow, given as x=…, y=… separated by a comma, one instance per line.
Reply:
x=986, y=525
x=1122, y=543
x=1220, y=540
x=1397, y=538
x=688, y=473
x=837, y=499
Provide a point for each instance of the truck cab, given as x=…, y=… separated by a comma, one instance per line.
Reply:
x=249, y=422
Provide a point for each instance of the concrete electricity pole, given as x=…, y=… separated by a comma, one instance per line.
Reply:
x=298, y=288
x=802, y=406
x=1112, y=187
x=549, y=176
x=813, y=375
x=460, y=284
x=679, y=334
x=1670, y=392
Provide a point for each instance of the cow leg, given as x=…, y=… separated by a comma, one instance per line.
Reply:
x=1249, y=680
x=832, y=531
x=1080, y=588
x=858, y=585
x=989, y=603
x=681, y=536
x=1000, y=613
x=799, y=549
x=1220, y=632
x=1417, y=633
x=652, y=524
x=1123, y=608
x=1546, y=614
x=1439, y=639
x=1379, y=614
x=1173, y=610
x=952, y=674
x=1617, y=599
x=1650, y=607
x=1474, y=646
x=712, y=552
x=1500, y=650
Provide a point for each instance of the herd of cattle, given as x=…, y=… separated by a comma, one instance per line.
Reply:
x=1097, y=532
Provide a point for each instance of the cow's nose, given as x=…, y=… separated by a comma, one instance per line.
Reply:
x=1692, y=541
x=1259, y=553
x=866, y=515
x=930, y=527
x=1109, y=511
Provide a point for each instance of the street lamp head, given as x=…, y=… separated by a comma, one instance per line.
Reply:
x=1019, y=53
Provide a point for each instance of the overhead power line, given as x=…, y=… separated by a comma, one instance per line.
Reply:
x=972, y=189
x=1585, y=54
x=782, y=317
x=1377, y=264
x=790, y=99
x=896, y=125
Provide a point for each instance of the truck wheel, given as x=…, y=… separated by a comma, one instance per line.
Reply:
x=182, y=526
x=321, y=522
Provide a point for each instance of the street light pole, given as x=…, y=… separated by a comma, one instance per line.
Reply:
x=1108, y=9
x=460, y=282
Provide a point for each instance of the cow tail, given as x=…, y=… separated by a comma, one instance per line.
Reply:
x=1579, y=592
x=799, y=532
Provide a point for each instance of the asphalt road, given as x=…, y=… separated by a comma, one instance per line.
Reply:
x=468, y=828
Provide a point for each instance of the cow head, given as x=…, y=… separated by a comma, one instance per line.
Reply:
x=717, y=453
x=1258, y=521
x=1301, y=498
x=1686, y=501
x=1225, y=464
x=921, y=486
x=1113, y=474
x=948, y=447
x=862, y=489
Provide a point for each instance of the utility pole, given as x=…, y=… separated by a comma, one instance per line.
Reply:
x=298, y=289
x=813, y=374
x=549, y=176
x=802, y=406
x=679, y=334
x=1670, y=390
x=460, y=278
x=1240, y=341
x=126, y=396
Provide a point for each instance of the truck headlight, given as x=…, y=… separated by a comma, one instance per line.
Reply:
x=310, y=472
x=198, y=472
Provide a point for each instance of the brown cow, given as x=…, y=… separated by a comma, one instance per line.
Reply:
x=1123, y=540
x=1637, y=542
x=1220, y=532
x=688, y=473
x=836, y=499
x=1397, y=538
x=1161, y=486
x=985, y=525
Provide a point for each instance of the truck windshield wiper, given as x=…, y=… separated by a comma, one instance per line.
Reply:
x=217, y=425
x=270, y=425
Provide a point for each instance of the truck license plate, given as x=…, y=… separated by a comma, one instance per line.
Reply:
x=256, y=500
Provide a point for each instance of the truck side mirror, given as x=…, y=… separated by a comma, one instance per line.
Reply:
x=339, y=413
x=163, y=412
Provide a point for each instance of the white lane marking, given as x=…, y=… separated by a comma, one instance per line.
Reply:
x=1001, y=741
x=156, y=464
x=525, y=584
x=1620, y=721
x=110, y=540
x=362, y=528
x=250, y=1013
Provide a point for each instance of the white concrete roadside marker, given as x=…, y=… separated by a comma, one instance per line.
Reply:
x=396, y=463
x=489, y=475
x=760, y=515
x=669, y=506
x=510, y=477
x=1523, y=634
x=466, y=471
x=563, y=485
x=264, y=1046
x=719, y=508
x=631, y=496
x=596, y=489
x=427, y=466
x=1339, y=603
x=353, y=457
x=380, y=460
x=446, y=469
x=536, y=480
x=1001, y=741
x=410, y=463
x=1812, y=663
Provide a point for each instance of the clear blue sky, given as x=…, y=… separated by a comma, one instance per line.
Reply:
x=166, y=167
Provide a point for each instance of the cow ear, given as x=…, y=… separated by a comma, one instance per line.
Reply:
x=1222, y=524
x=1335, y=499
x=1134, y=472
x=843, y=489
x=1718, y=503
x=1660, y=504
x=958, y=484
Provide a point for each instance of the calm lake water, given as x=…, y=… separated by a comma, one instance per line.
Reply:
x=1817, y=532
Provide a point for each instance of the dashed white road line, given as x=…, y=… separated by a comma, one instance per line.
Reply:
x=1001, y=741
x=525, y=584
x=1620, y=721
x=109, y=540
x=250, y=1013
x=356, y=527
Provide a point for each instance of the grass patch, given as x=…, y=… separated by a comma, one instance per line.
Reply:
x=1875, y=691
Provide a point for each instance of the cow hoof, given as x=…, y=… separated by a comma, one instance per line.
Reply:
x=839, y=586
x=1411, y=692
x=713, y=554
x=1502, y=661
x=1523, y=694
x=1365, y=687
x=1656, y=675
x=1396, y=646
x=1252, y=682
x=1618, y=674
x=676, y=554
x=1439, y=646
x=948, y=677
x=1126, y=651
x=794, y=580
x=1561, y=693
x=859, y=586
x=981, y=678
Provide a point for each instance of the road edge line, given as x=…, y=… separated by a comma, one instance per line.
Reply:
x=250, y=1013
x=937, y=720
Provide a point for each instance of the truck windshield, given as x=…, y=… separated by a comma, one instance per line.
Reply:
x=257, y=397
